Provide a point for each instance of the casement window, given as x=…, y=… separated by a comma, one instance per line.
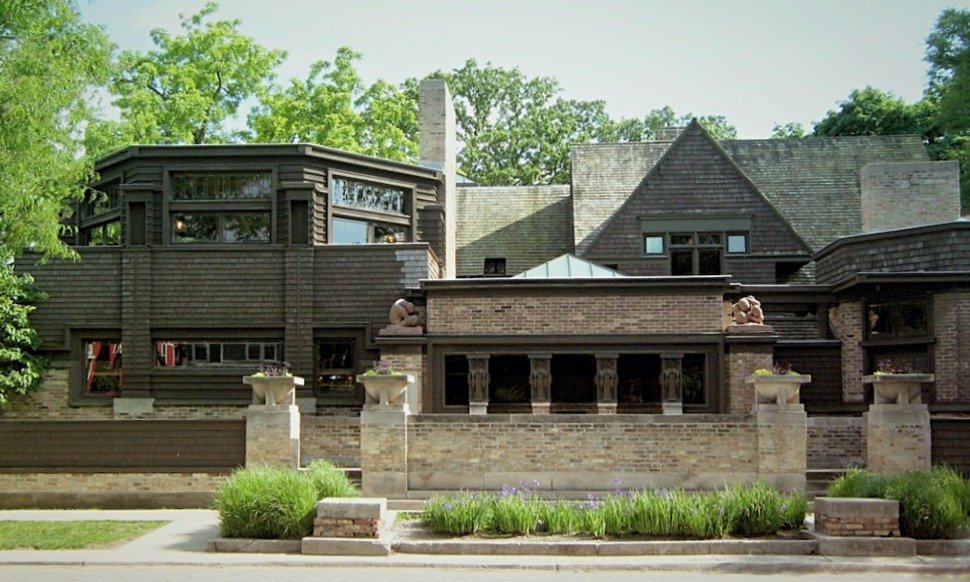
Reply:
x=695, y=245
x=898, y=318
x=364, y=212
x=172, y=353
x=102, y=367
x=232, y=207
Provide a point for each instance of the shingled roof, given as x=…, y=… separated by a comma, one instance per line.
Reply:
x=526, y=225
x=814, y=182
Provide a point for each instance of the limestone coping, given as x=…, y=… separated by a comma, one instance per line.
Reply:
x=352, y=507
x=856, y=507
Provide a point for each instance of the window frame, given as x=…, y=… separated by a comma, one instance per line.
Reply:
x=194, y=345
x=171, y=207
x=355, y=337
x=89, y=221
x=78, y=395
x=373, y=217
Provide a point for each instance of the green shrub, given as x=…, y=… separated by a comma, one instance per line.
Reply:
x=859, y=483
x=756, y=509
x=266, y=503
x=749, y=510
x=794, y=506
x=329, y=480
x=461, y=514
x=929, y=508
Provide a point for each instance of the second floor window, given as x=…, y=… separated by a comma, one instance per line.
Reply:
x=233, y=207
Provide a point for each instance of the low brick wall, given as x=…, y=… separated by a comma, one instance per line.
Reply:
x=349, y=518
x=109, y=490
x=580, y=453
x=851, y=517
x=836, y=442
x=334, y=438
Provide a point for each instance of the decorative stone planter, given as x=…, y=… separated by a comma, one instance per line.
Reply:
x=897, y=388
x=274, y=390
x=385, y=390
x=778, y=389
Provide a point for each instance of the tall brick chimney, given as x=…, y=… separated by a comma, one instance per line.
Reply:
x=438, y=144
x=901, y=195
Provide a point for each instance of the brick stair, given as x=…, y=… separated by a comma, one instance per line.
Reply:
x=817, y=481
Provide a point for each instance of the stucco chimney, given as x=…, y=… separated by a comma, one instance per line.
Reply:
x=901, y=195
x=438, y=143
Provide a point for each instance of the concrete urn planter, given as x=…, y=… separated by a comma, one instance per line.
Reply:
x=385, y=390
x=897, y=388
x=274, y=390
x=777, y=388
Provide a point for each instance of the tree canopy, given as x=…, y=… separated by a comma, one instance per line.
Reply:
x=334, y=107
x=518, y=130
x=187, y=89
x=48, y=60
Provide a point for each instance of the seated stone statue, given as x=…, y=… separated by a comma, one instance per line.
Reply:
x=403, y=318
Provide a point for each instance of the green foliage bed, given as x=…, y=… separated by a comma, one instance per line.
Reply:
x=749, y=510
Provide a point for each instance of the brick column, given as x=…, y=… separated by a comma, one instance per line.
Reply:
x=408, y=359
x=746, y=352
x=897, y=438
x=846, y=319
x=606, y=383
x=384, y=452
x=782, y=445
x=273, y=435
x=540, y=382
x=951, y=354
x=478, y=380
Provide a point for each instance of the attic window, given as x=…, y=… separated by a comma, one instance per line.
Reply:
x=494, y=267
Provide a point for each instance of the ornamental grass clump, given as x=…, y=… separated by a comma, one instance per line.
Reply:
x=462, y=514
x=756, y=509
x=513, y=512
x=794, y=507
x=266, y=503
x=929, y=507
x=276, y=502
x=559, y=517
x=933, y=504
x=330, y=481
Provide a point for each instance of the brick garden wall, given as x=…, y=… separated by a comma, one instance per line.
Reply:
x=537, y=310
x=836, y=442
x=334, y=438
x=577, y=453
x=116, y=490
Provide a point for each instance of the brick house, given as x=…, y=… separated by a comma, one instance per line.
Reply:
x=596, y=297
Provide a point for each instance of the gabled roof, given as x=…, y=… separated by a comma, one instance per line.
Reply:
x=568, y=267
x=814, y=182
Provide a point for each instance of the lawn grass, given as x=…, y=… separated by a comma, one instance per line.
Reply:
x=71, y=535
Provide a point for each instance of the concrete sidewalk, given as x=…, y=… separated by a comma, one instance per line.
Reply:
x=184, y=542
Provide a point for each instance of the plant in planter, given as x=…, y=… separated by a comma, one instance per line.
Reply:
x=274, y=385
x=384, y=386
x=779, y=385
x=896, y=383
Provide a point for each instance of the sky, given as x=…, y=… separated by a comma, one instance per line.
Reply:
x=757, y=62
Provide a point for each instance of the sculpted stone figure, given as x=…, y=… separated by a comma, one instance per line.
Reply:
x=403, y=318
x=748, y=311
x=671, y=379
x=403, y=313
